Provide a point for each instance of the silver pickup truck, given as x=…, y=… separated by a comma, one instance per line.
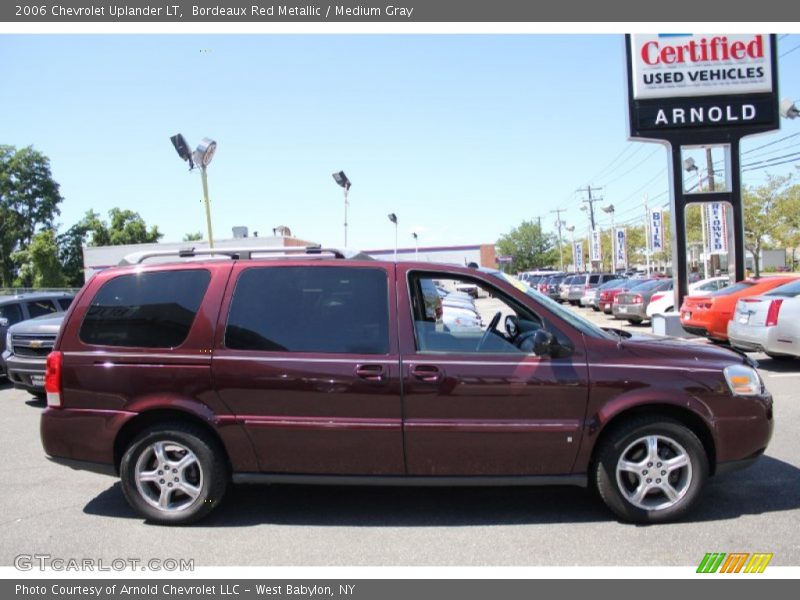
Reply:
x=27, y=345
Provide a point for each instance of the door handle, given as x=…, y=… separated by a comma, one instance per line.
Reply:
x=370, y=372
x=427, y=373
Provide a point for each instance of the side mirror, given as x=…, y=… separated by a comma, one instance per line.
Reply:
x=544, y=343
x=3, y=322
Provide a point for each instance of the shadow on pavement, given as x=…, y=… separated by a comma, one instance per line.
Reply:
x=769, y=486
x=777, y=365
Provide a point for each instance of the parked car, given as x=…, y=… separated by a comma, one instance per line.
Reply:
x=21, y=307
x=563, y=287
x=609, y=294
x=183, y=377
x=769, y=323
x=27, y=345
x=708, y=315
x=581, y=283
x=664, y=301
x=631, y=305
x=592, y=297
x=554, y=287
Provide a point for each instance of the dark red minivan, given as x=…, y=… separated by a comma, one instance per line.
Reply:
x=312, y=368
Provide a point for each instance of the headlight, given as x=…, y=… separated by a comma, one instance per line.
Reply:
x=8, y=341
x=743, y=380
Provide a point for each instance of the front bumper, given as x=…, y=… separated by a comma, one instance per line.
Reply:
x=26, y=373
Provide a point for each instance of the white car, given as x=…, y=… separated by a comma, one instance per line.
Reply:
x=768, y=323
x=663, y=302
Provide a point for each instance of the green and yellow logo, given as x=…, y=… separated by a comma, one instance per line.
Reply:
x=735, y=562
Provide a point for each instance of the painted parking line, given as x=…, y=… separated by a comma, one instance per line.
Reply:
x=779, y=375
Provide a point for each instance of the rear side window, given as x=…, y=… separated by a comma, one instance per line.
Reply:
x=594, y=278
x=145, y=310
x=12, y=312
x=40, y=307
x=310, y=309
x=64, y=303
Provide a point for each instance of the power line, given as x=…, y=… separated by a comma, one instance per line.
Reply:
x=634, y=167
x=759, y=162
x=771, y=165
x=786, y=137
x=784, y=149
x=605, y=169
x=789, y=51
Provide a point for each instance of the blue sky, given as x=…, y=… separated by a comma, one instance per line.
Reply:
x=462, y=136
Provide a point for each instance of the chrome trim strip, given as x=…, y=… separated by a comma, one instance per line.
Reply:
x=283, y=359
x=113, y=355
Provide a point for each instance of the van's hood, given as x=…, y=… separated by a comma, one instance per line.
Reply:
x=44, y=324
x=673, y=349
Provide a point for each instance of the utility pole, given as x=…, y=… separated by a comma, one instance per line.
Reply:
x=590, y=201
x=558, y=212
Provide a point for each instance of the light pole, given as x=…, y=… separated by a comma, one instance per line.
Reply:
x=393, y=219
x=416, y=245
x=202, y=157
x=610, y=210
x=340, y=178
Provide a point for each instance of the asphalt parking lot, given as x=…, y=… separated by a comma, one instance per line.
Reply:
x=49, y=509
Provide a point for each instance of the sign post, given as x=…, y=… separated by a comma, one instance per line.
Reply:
x=702, y=90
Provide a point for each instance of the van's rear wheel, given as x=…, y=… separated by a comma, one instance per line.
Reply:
x=651, y=470
x=173, y=474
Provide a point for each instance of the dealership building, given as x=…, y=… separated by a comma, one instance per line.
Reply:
x=97, y=258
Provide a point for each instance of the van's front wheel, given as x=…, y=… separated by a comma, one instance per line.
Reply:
x=173, y=474
x=651, y=470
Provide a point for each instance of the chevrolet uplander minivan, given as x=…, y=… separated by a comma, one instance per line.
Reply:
x=185, y=377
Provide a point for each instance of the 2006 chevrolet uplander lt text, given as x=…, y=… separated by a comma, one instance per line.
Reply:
x=182, y=377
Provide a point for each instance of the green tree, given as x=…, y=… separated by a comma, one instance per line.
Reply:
x=29, y=199
x=124, y=227
x=193, y=237
x=787, y=229
x=530, y=247
x=38, y=264
x=760, y=204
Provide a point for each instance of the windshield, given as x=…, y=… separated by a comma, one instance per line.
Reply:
x=788, y=289
x=578, y=322
x=647, y=285
x=732, y=289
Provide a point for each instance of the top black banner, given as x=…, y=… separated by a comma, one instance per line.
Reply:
x=402, y=11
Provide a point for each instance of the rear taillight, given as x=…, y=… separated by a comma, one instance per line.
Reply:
x=772, y=313
x=52, y=378
x=637, y=299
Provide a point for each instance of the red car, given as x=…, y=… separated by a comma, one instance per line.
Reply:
x=183, y=378
x=709, y=315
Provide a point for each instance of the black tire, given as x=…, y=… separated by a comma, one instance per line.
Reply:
x=209, y=473
x=595, y=308
x=39, y=395
x=634, y=321
x=689, y=482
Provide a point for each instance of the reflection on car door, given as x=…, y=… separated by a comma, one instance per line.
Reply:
x=474, y=413
x=321, y=394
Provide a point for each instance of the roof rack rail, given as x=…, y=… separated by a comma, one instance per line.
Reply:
x=242, y=253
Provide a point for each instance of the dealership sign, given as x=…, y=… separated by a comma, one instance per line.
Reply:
x=656, y=224
x=666, y=66
x=595, y=249
x=717, y=228
x=577, y=253
x=681, y=81
x=620, y=249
